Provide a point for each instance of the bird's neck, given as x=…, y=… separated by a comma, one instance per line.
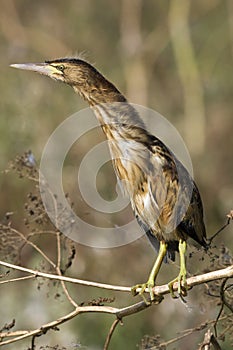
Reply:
x=99, y=90
x=126, y=133
x=113, y=111
x=119, y=116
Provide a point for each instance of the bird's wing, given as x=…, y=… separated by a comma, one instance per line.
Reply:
x=176, y=195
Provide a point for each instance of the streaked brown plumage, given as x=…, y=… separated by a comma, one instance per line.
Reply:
x=164, y=197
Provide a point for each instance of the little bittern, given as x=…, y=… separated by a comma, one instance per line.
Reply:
x=164, y=197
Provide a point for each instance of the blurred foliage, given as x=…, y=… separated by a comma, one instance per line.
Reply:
x=134, y=45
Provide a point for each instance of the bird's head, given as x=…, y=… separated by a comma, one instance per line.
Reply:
x=68, y=70
x=81, y=75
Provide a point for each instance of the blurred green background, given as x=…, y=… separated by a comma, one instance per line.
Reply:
x=172, y=56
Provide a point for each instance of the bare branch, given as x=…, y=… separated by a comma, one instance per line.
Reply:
x=209, y=340
x=119, y=313
x=190, y=331
x=79, y=310
x=18, y=279
x=43, y=329
x=229, y=219
x=65, y=279
x=110, y=333
x=158, y=290
x=33, y=245
x=12, y=334
x=58, y=269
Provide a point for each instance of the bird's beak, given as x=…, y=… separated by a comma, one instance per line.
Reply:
x=42, y=68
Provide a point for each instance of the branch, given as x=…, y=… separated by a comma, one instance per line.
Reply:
x=110, y=333
x=209, y=340
x=229, y=219
x=27, y=241
x=52, y=325
x=64, y=278
x=58, y=269
x=18, y=279
x=158, y=290
x=120, y=313
x=195, y=280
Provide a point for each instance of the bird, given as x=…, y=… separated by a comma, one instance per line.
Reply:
x=164, y=197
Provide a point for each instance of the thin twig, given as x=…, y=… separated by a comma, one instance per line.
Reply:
x=58, y=240
x=12, y=334
x=17, y=279
x=39, y=233
x=34, y=246
x=223, y=303
x=189, y=331
x=58, y=237
x=36, y=273
x=229, y=219
x=110, y=333
x=58, y=270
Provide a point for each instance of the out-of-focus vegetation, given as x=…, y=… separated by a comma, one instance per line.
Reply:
x=171, y=56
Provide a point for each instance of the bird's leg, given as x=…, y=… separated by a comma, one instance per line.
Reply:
x=154, y=272
x=181, y=278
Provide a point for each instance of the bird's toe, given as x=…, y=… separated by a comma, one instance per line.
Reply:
x=140, y=289
x=182, y=287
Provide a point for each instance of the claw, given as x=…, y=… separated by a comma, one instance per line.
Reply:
x=148, y=285
x=142, y=288
x=182, y=286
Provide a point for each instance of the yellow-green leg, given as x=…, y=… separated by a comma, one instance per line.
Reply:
x=181, y=278
x=154, y=272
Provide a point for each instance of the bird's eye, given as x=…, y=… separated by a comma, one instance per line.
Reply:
x=61, y=67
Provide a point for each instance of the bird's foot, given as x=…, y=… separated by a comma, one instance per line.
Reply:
x=181, y=279
x=140, y=289
x=182, y=286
